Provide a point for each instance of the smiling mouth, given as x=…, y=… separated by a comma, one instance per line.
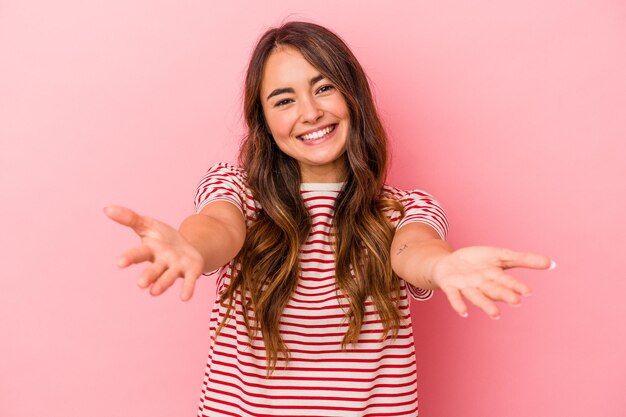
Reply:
x=317, y=134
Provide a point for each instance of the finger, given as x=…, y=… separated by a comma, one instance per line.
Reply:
x=127, y=217
x=150, y=275
x=456, y=301
x=481, y=301
x=165, y=281
x=512, y=283
x=135, y=256
x=189, y=283
x=498, y=292
x=513, y=259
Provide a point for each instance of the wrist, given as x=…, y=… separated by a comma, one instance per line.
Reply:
x=418, y=264
x=434, y=269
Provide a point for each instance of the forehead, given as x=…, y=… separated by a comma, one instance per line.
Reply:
x=286, y=67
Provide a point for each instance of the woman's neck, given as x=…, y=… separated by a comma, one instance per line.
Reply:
x=332, y=173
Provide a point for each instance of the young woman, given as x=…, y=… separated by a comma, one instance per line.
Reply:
x=317, y=256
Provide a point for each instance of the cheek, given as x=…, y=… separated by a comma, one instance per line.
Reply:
x=342, y=110
x=278, y=125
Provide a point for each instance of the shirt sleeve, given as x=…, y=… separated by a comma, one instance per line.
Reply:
x=222, y=182
x=420, y=206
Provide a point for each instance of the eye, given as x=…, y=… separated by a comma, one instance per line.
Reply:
x=283, y=102
x=325, y=88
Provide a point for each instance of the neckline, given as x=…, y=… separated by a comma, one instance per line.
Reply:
x=321, y=186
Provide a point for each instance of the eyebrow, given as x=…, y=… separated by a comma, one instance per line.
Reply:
x=290, y=90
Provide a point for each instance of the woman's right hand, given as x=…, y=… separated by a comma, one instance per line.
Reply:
x=169, y=253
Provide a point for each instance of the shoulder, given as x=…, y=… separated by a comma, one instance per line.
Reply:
x=226, y=171
x=227, y=175
x=417, y=205
x=405, y=196
x=224, y=181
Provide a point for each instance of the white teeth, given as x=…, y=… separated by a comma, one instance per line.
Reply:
x=318, y=134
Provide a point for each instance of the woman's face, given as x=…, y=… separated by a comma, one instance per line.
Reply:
x=307, y=116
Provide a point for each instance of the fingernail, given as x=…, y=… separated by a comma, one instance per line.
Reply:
x=516, y=304
x=495, y=317
x=528, y=294
x=464, y=315
x=552, y=265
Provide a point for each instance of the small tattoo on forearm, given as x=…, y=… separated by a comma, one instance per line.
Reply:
x=402, y=248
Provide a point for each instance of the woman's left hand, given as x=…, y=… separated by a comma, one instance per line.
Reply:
x=478, y=273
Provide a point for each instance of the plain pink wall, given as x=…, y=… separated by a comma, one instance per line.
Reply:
x=512, y=113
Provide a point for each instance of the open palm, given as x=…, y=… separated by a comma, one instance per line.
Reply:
x=478, y=273
x=170, y=255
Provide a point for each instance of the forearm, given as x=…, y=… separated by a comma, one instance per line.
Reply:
x=214, y=239
x=413, y=260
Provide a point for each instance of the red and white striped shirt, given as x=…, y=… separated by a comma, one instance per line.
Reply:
x=373, y=378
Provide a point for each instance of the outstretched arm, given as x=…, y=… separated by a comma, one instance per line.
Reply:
x=204, y=242
x=477, y=273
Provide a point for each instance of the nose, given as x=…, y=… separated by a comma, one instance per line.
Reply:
x=310, y=112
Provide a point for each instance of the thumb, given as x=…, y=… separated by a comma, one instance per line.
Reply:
x=126, y=217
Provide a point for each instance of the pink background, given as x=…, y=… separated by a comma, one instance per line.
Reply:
x=512, y=113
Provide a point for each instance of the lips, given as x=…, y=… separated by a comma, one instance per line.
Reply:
x=317, y=134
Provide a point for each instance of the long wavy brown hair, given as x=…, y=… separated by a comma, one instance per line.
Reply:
x=269, y=265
